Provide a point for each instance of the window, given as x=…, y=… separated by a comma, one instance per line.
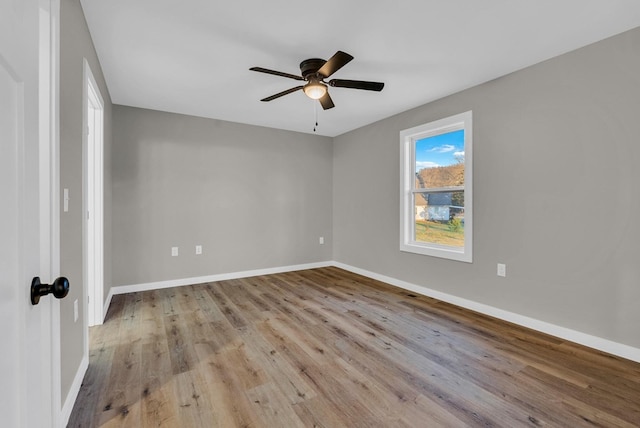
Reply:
x=436, y=188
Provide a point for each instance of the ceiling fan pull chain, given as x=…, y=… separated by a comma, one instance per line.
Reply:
x=315, y=111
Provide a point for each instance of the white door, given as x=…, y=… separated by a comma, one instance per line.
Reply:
x=26, y=385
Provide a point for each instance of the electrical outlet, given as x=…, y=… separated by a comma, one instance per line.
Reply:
x=198, y=249
x=502, y=270
x=174, y=251
x=321, y=240
x=75, y=310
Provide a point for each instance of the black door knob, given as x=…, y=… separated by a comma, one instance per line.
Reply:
x=59, y=288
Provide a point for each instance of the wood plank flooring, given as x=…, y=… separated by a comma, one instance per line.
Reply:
x=328, y=348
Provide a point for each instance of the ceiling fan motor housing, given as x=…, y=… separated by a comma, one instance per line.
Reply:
x=309, y=67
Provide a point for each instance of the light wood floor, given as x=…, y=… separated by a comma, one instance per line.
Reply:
x=327, y=348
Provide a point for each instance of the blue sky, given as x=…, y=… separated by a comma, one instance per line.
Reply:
x=440, y=150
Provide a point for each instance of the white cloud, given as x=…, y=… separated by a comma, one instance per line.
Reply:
x=425, y=164
x=460, y=154
x=446, y=148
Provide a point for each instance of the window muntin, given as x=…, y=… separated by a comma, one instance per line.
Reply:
x=436, y=211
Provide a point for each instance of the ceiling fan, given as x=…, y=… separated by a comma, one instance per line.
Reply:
x=314, y=71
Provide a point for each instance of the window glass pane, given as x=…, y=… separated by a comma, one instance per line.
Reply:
x=439, y=160
x=439, y=218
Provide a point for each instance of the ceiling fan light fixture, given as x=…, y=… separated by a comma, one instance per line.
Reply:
x=314, y=71
x=315, y=90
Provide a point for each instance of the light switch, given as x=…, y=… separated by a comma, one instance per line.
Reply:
x=65, y=200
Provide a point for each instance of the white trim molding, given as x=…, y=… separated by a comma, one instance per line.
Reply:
x=107, y=302
x=605, y=345
x=65, y=413
x=211, y=278
x=93, y=196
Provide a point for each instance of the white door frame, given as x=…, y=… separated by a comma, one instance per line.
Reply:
x=49, y=166
x=93, y=176
x=50, y=187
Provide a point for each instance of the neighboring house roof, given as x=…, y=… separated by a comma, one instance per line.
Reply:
x=439, y=198
x=434, y=198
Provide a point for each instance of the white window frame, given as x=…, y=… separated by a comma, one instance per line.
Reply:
x=408, y=138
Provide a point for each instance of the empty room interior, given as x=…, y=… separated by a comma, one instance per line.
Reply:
x=394, y=214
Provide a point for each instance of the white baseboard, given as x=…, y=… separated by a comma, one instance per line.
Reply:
x=67, y=407
x=210, y=278
x=107, y=303
x=581, y=338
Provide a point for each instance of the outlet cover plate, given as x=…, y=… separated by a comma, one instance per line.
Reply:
x=502, y=269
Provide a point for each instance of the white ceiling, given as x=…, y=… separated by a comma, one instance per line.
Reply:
x=193, y=56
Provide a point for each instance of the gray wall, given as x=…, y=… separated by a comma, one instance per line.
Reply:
x=556, y=174
x=253, y=197
x=76, y=44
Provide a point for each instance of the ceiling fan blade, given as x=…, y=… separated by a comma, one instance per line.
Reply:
x=335, y=63
x=276, y=73
x=357, y=84
x=281, y=94
x=326, y=101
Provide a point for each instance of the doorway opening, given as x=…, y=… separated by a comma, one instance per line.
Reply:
x=94, y=198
